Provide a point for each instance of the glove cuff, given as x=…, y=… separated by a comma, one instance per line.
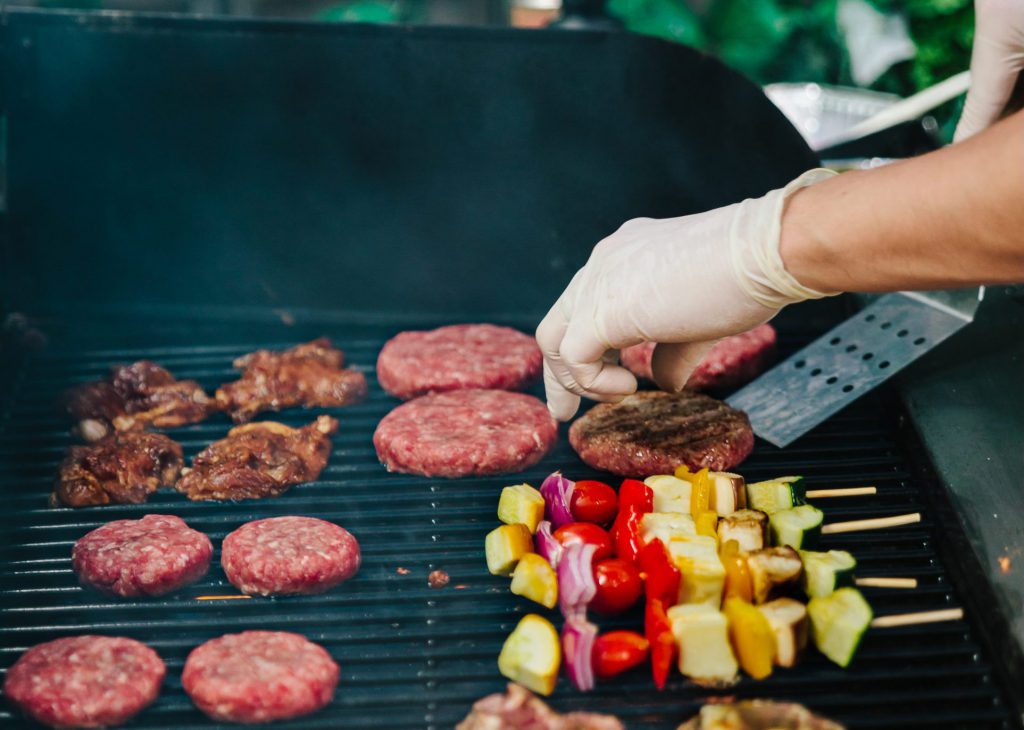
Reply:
x=757, y=262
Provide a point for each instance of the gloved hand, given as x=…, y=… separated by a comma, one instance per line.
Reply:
x=682, y=282
x=997, y=60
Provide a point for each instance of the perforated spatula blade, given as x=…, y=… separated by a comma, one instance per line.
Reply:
x=851, y=359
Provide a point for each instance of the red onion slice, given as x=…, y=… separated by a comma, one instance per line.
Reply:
x=557, y=493
x=578, y=637
x=576, y=586
x=547, y=546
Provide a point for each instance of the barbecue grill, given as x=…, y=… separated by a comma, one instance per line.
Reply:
x=189, y=191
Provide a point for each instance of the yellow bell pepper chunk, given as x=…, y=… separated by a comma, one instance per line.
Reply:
x=504, y=546
x=707, y=523
x=521, y=504
x=700, y=496
x=752, y=638
x=738, y=583
x=683, y=472
x=534, y=578
x=532, y=655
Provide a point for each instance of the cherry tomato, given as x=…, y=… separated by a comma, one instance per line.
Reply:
x=593, y=502
x=618, y=586
x=584, y=533
x=617, y=651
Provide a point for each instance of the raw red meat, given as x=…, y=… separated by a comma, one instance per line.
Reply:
x=518, y=709
x=284, y=555
x=465, y=432
x=148, y=557
x=85, y=681
x=259, y=676
x=729, y=363
x=457, y=357
x=653, y=432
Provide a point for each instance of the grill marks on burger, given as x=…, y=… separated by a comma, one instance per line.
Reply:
x=668, y=424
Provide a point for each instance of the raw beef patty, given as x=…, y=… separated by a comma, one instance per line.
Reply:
x=457, y=357
x=283, y=555
x=653, y=432
x=464, y=433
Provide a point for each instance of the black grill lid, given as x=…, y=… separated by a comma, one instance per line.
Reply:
x=416, y=657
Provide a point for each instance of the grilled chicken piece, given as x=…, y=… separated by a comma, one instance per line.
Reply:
x=135, y=396
x=309, y=375
x=122, y=468
x=259, y=460
x=758, y=715
x=521, y=710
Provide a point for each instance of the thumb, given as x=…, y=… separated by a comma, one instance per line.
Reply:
x=994, y=72
x=672, y=363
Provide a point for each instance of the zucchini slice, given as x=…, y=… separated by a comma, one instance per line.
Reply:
x=825, y=572
x=838, y=622
x=799, y=527
x=776, y=494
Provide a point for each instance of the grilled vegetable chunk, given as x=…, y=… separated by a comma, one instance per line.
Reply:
x=838, y=622
x=702, y=634
x=505, y=545
x=752, y=638
x=825, y=572
x=776, y=494
x=521, y=504
x=774, y=571
x=798, y=528
x=534, y=578
x=671, y=494
x=748, y=527
x=788, y=619
x=728, y=492
x=702, y=575
x=532, y=654
x=665, y=526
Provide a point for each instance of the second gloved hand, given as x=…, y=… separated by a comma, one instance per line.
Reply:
x=681, y=282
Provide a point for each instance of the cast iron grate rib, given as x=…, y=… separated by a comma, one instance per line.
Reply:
x=416, y=657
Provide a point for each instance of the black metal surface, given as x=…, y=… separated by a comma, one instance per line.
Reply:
x=416, y=657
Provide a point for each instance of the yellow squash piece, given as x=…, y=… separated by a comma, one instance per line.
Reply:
x=670, y=494
x=665, y=526
x=534, y=578
x=702, y=575
x=752, y=638
x=700, y=496
x=521, y=504
x=504, y=547
x=532, y=655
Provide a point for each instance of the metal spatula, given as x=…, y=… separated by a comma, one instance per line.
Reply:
x=845, y=363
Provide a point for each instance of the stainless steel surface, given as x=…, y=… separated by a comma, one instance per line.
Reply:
x=851, y=359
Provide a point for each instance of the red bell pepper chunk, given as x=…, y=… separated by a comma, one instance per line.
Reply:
x=661, y=577
x=658, y=630
x=626, y=533
x=635, y=493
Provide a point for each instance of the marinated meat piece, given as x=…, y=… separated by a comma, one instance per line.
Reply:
x=521, y=710
x=653, y=432
x=758, y=715
x=122, y=468
x=259, y=460
x=308, y=375
x=134, y=396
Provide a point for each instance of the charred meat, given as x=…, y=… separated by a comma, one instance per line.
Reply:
x=135, y=396
x=122, y=468
x=259, y=460
x=758, y=715
x=518, y=709
x=309, y=375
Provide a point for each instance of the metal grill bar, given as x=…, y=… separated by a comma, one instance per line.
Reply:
x=416, y=657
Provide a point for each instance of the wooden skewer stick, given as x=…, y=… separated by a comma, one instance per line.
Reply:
x=220, y=598
x=887, y=582
x=846, y=492
x=873, y=524
x=912, y=619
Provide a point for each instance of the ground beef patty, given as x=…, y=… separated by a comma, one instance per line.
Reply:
x=284, y=555
x=731, y=362
x=465, y=433
x=148, y=557
x=85, y=681
x=653, y=432
x=457, y=357
x=259, y=676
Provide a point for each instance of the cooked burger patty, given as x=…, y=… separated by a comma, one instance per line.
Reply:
x=284, y=555
x=148, y=557
x=259, y=460
x=85, y=681
x=731, y=362
x=259, y=676
x=465, y=432
x=653, y=432
x=457, y=357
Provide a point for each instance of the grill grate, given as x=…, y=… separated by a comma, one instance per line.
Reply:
x=416, y=657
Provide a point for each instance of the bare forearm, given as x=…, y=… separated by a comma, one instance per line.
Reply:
x=954, y=217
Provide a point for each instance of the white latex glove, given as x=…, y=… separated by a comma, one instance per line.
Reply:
x=997, y=60
x=682, y=282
